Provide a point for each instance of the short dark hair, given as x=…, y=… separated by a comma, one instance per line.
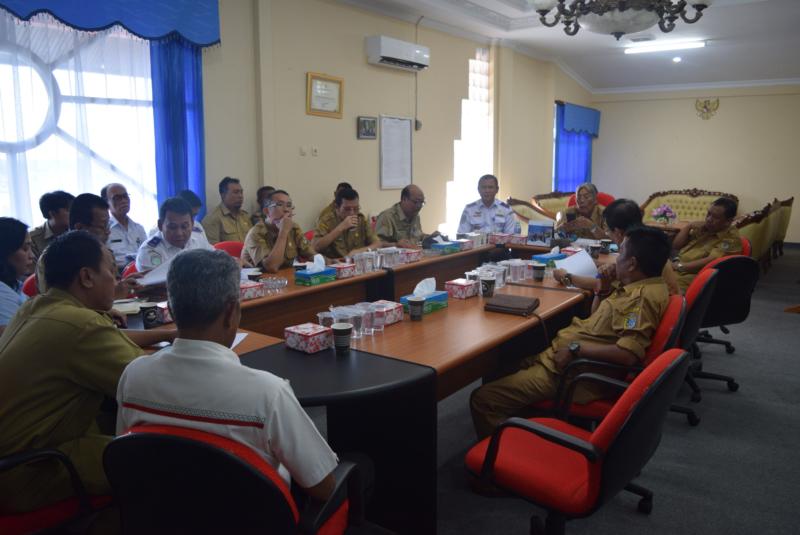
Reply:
x=343, y=185
x=650, y=247
x=274, y=191
x=225, y=182
x=489, y=177
x=622, y=214
x=263, y=189
x=346, y=194
x=55, y=201
x=729, y=205
x=68, y=254
x=198, y=305
x=190, y=197
x=12, y=237
x=82, y=210
x=176, y=205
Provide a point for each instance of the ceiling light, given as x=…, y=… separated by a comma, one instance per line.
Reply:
x=664, y=46
x=617, y=17
x=676, y=59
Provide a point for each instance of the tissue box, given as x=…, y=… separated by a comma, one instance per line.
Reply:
x=548, y=257
x=433, y=301
x=462, y=288
x=498, y=238
x=395, y=314
x=304, y=278
x=251, y=290
x=447, y=247
x=516, y=240
x=410, y=255
x=164, y=315
x=465, y=244
x=308, y=337
x=344, y=271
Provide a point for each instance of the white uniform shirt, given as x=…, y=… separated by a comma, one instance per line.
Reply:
x=499, y=217
x=156, y=250
x=124, y=243
x=203, y=385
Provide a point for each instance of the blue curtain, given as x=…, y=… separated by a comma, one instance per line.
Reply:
x=575, y=128
x=177, y=71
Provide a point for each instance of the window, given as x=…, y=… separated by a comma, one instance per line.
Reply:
x=76, y=112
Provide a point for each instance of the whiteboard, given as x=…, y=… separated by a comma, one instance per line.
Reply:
x=395, y=152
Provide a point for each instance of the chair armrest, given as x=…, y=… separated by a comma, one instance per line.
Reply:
x=577, y=366
x=18, y=459
x=316, y=513
x=566, y=440
x=562, y=411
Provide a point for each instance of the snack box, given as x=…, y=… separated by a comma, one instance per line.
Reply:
x=462, y=288
x=569, y=251
x=465, y=244
x=344, y=271
x=548, y=257
x=164, y=315
x=498, y=238
x=304, y=278
x=434, y=301
x=517, y=240
x=251, y=290
x=410, y=255
x=308, y=337
x=395, y=314
x=447, y=247
x=477, y=238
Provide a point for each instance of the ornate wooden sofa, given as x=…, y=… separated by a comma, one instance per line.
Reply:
x=688, y=204
x=766, y=229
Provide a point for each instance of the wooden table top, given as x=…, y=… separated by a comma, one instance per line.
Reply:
x=254, y=342
x=532, y=249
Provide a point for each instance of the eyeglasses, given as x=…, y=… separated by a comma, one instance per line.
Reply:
x=418, y=202
x=120, y=197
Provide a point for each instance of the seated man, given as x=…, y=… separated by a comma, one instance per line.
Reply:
x=55, y=209
x=59, y=357
x=199, y=375
x=488, y=214
x=345, y=231
x=177, y=233
x=618, y=331
x=228, y=221
x=700, y=242
x=330, y=209
x=126, y=235
x=621, y=216
x=400, y=224
x=275, y=242
x=585, y=219
x=261, y=195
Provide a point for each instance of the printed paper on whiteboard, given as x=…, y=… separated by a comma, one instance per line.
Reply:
x=395, y=146
x=580, y=264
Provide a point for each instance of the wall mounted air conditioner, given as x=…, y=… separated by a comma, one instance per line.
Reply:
x=382, y=50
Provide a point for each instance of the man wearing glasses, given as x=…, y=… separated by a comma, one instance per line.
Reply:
x=400, y=224
x=345, y=231
x=275, y=242
x=126, y=235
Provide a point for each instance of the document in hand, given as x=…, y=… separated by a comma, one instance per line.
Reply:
x=157, y=275
x=580, y=264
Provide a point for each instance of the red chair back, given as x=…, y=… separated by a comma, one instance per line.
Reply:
x=29, y=286
x=746, y=247
x=669, y=329
x=233, y=248
x=698, y=296
x=309, y=235
x=129, y=270
x=736, y=281
x=603, y=199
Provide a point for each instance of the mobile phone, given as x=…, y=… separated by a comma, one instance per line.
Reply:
x=572, y=216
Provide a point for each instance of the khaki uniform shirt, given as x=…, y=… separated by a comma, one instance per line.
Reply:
x=40, y=239
x=628, y=318
x=222, y=225
x=359, y=236
x=392, y=226
x=261, y=239
x=327, y=212
x=595, y=217
x=58, y=359
x=704, y=244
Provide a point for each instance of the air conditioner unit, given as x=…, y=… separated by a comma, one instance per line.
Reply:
x=382, y=50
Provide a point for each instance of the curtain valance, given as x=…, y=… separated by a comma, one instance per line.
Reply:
x=580, y=119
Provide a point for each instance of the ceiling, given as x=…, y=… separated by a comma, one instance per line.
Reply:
x=749, y=42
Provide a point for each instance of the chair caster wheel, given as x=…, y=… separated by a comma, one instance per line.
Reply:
x=645, y=506
x=693, y=419
x=729, y=349
x=537, y=526
x=733, y=386
x=696, y=397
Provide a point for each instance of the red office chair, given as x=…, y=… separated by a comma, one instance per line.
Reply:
x=29, y=286
x=603, y=199
x=129, y=270
x=746, y=247
x=698, y=297
x=309, y=235
x=72, y=512
x=571, y=472
x=175, y=480
x=233, y=248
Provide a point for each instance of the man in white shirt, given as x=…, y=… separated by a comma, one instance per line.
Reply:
x=199, y=383
x=126, y=235
x=177, y=233
x=488, y=214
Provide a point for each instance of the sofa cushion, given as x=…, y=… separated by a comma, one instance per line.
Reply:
x=688, y=204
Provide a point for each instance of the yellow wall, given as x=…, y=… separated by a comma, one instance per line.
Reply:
x=653, y=142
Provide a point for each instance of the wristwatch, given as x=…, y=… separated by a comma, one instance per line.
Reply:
x=574, y=348
x=680, y=267
x=566, y=280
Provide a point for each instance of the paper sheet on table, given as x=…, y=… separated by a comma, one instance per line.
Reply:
x=580, y=264
x=157, y=275
x=238, y=339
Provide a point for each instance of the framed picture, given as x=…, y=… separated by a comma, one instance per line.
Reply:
x=367, y=127
x=324, y=95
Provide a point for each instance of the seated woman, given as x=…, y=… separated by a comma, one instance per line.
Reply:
x=585, y=219
x=16, y=261
x=275, y=242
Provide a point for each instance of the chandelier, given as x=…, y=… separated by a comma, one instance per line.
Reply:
x=618, y=17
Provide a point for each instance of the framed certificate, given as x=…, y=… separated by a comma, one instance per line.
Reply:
x=324, y=95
